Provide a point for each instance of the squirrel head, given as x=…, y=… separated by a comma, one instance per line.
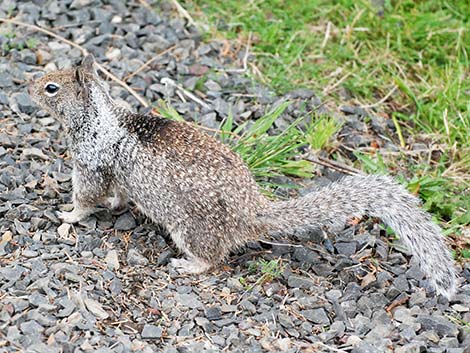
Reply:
x=66, y=94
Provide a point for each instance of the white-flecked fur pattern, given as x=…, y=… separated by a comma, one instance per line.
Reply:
x=202, y=192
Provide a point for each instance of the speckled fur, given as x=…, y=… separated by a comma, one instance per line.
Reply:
x=201, y=191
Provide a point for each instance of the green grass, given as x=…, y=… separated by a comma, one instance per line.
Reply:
x=263, y=271
x=408, y=60
x=11, y=42
x=417, y=49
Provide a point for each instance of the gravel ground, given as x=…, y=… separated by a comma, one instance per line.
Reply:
x=103, y=285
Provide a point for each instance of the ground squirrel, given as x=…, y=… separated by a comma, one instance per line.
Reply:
x=201, y=191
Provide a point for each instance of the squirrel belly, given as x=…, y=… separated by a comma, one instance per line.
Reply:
x=377, y=196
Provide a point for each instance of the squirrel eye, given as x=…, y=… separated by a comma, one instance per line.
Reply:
x=51, y=89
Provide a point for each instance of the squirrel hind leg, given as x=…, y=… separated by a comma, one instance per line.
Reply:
x=192, y=265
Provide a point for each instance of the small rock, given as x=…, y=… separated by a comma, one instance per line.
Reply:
x=353, y=340
x=189, y=300
x=152, y=332
x=300, y=282
x=204, y=323
x=134, y=258
x=95, y=308
x=23, y=100
x=449, y=342
x=439, y=324
x=460, y=308
x=5, y=80
x=404, y=315
x=222, y=107
x=13, y=333
x=283, y=344
x=411, y=347
x=285, y=320
x=31, y=328
x=113, y=54
x=248, y=306
x=79, y=4
x=213, y=313
x=115, y=286
x=12, y=273
x=63, y=230
x=334, y=295
x=306, y=255
x=364, y=347
x=303, y=93
x=317, y=316
x=112, y=260
x=253, y=332
x=164, y=257
x=234, y=283
x=28, y=57
x=212, y=85
x=29, y=254
x=347, y=249
x=125, y=222
x=58, y=46
x=34, y=152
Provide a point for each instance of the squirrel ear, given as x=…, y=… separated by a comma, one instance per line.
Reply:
x=81, y=72
x=88, y=62
x=80, y=76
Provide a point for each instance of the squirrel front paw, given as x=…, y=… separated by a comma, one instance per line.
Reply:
x=74, y=216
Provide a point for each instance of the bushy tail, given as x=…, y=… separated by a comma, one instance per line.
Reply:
x=376, y=196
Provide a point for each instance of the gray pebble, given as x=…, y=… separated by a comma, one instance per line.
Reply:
x=317, y=316
x=213, y=313
x=189, y=300
x=300, y=282
x=31, y=328
x=151, y=332
x=134, y=258
x=440, y=324
x=23, y=101
x=346, y=249
x=125, y=222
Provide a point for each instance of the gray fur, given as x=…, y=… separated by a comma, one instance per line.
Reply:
x=201, y=191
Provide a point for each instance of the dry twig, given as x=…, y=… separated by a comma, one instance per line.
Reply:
x=169, y=81
x=365, y=106
x=183, y=12
x=245, y=57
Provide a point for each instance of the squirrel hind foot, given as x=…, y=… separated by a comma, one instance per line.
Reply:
x=194, y=265
x=75, y=216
